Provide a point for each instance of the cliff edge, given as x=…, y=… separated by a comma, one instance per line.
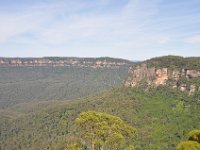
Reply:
x=145, y=75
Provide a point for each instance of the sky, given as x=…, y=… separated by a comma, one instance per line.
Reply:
x=130, y=29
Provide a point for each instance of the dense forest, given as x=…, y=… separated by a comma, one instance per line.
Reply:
x=24, y=84
x=46, y=108
x=175, y=62
x=163, y=117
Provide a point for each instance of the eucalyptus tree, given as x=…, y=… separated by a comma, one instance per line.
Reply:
x=103, y=131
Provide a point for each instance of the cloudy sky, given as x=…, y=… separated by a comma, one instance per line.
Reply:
x=131, y=29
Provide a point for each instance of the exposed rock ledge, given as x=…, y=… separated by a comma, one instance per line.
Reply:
x=65, y=61
x=141, y=74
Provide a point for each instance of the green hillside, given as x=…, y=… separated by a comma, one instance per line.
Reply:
x=24, y=84
x=162, y=117
x=175, y=62
x=36, y=113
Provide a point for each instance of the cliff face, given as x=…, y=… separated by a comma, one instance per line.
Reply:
x=182, y=79
x=67, y=61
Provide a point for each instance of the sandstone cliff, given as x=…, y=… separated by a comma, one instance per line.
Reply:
x=66, y=61
x=183, y=79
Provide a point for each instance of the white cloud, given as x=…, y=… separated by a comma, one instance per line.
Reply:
x=44, y=23
x=13, y=25
x=94, y=25
x=193, y=40
x=163, y=39
x=34, y=19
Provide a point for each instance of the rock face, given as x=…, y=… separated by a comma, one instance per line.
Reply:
x=148, y=75
x=192, y=89
x=192, y=74
x=67, y=61
x=136, y=75
x=161, y=76
x=141, y=74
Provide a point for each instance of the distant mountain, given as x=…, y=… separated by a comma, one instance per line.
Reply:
x=66, y=61
x=57, y=78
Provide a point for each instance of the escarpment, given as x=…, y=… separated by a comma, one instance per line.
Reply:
x=102, y=62
x=184, y=79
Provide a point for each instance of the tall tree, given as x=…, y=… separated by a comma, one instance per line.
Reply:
x=193, y=142
x=101, y=130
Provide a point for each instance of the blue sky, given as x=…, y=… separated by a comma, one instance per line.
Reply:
x=131, y=29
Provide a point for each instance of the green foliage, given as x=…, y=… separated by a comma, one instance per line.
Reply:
x=155, y=113
x=130, y=147
x=175, y=62
x=103, y=130
x=28, y=84
x=188, y=145
x=73, y=147
x=193, y=143
x=161, y=115
x=194, y=135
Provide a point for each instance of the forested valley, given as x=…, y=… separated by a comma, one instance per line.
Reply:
x=68, y=108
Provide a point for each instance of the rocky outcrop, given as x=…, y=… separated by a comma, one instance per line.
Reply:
x=67, y=61
x=175, y=78
x=183, y=87
x=149, y=75
x=192, y=74
x=161, y=76
x=176, y=74
x=138, y=74
x=192, y=89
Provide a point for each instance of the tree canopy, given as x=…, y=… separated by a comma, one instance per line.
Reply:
x=193, y=143
x=103, y=131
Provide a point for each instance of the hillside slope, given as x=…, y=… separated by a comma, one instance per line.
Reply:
x=162, y=116
x=25, y=84
x=174, y=62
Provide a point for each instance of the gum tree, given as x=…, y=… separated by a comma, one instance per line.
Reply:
x=101, y=130
x=193, y=142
